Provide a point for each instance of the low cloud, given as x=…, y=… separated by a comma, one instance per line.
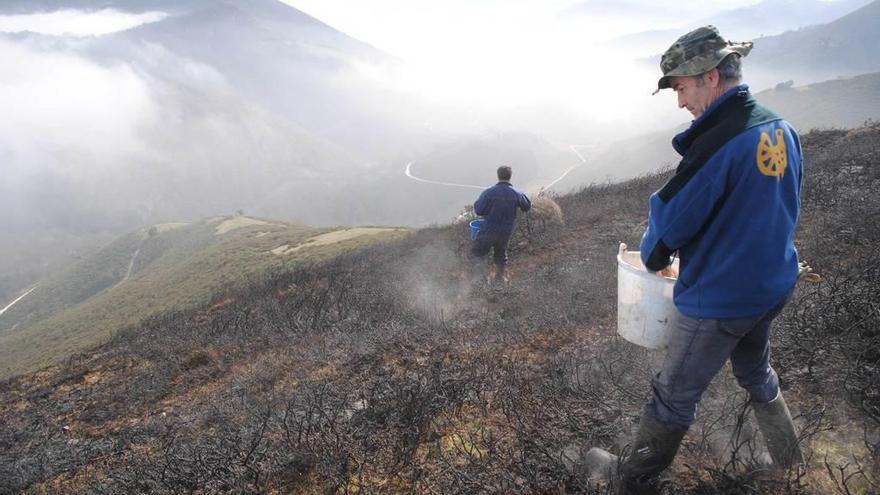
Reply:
x=99, y=144
x=77, y=22
x=68, y=125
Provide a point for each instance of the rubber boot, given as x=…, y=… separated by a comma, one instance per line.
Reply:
x=774, y=420
x=653, y=450
x=500, y=275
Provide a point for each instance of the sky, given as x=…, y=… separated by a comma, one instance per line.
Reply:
x=491, y=53
x=495, y=54
x=415, y=29
x=498, y=56
x=505, y=50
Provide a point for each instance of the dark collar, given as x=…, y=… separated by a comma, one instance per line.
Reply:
x=732, y=97
x=733, y=115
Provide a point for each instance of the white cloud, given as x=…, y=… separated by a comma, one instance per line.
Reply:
x=103, y=145
x=57, y=100
x=76, y=22
x=510, y=52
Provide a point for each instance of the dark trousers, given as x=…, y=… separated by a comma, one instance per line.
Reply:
x=488, y=241
x=698, y=348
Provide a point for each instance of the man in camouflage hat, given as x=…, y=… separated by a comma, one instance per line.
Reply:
x=729, y=212
x=696, y=53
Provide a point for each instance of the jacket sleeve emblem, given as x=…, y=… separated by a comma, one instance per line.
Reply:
x=772, y=158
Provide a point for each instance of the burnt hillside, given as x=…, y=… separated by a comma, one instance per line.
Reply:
x=391, y=370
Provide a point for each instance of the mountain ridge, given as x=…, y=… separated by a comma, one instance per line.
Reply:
x=847, y=46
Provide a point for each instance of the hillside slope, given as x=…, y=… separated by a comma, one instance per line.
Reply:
x=839, y=103
x=845, y=47
x=776, y=16
x=168, y=267
x=390, y=370
x=764, y=18
x=842, y=103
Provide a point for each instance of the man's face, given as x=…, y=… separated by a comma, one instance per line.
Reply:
x=693, y=93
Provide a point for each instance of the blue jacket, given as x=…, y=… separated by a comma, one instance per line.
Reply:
x=729, y=211
x=498, y=205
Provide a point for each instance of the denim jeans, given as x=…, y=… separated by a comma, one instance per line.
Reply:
x=697, y=350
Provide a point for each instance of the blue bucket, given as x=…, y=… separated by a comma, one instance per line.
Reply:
x=475, y=227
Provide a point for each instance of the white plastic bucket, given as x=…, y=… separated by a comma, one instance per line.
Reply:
x=644, y=301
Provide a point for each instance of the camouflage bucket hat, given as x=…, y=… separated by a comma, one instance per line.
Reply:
x=696, y=52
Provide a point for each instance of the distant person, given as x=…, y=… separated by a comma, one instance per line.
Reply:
x=729, y=212
x=498, y=205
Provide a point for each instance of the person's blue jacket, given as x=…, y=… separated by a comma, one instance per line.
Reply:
x=729, y=211
x=498, y=205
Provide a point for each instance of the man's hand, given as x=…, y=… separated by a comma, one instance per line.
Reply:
x=805, y=272
x=668, y=272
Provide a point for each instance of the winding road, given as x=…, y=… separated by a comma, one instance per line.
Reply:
x=127, y=275
x=130, y=266
x=573, y=148
x=15, y=301
x=409, y=174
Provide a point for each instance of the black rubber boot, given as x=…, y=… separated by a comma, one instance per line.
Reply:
x=774, y=420
x=652, y=451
